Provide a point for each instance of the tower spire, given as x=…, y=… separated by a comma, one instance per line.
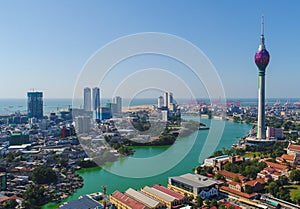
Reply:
x=262, y=25
x=262, y=37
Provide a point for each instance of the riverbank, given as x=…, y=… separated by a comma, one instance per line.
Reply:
x=113, y=174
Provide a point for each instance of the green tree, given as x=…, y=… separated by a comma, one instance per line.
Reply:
x=10, y=204
x=63, y=163
x=222, y=206
x=248, y=189
x=44, y=175
x=295, y=175
x=218, y=176
x=236, y=179
x=213, y=202
x=199, y=201
x=283, y=194
x=272, y=188
x=283, y=180
x=34, y=197
x=206, y=202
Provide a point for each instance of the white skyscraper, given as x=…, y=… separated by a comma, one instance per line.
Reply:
x=87, y=99
x=118, y=101
x=160, y=102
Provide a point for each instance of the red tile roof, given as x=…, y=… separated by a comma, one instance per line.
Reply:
x=288, y=157
x=294, y=147
x=253, y=182
x=3, y=199
x=127, y=200
x=276, y=166
x=15, y=197
x=169, y=191
x=231, y=175
x=227, y=205
x=235, y=183
x=242, y=194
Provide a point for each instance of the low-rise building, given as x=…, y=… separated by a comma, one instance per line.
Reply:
x=168, y=200
x=82, y=202
x=180, y=197
x=291, y=159
x=229, y=176
x=123, y=201
x=143, y=198
x=293, y=149
x=194, y=185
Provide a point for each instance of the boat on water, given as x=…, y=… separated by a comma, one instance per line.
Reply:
x=202, y=126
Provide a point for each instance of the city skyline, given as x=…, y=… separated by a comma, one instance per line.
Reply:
x=47, y=42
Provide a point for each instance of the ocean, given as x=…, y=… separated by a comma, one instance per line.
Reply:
x=8, y=106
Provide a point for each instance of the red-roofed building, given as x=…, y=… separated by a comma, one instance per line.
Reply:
x=256, y=185
x=170, y=192
x=236, y=186
x=236, y=193
x=229, y=176
x=227, y=205
x=122, y=201
x=279, y=169
x=291, y=159
x=14, y=197
x=293, y=149
x=273, y=171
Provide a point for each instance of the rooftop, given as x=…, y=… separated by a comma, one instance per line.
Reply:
x=252, y=183
x=83, y=202
x=242, y=194
x=127, y=200
x=276, y=166
x=158, y=193
x=288, y=157
x=168, y=191
x=231, y=175
x=195, y=180
x=141, y=197
x=294, y=147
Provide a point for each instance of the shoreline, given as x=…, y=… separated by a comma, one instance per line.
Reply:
x=82, y=170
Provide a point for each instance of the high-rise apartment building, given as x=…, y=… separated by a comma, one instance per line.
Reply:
x=87, y=100
x=35, y=105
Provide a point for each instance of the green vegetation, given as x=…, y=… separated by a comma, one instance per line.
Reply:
x=247, y=168
x=122, y=149
x=43, y=175
x=294, y=193
x=35, y=196
x=204, y=170
x=295, y=175
x=248, y=189
x=272, y=151
x=278, y=189
x=86, y=164
x=10, y=204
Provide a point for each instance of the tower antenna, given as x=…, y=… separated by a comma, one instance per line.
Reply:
x=262, y=25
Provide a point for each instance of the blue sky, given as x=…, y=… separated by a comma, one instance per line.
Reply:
x=45, y=44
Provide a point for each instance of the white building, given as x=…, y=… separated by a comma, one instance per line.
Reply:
x=118, y=101
x=160, y=102
x=83, y=124
x=87, y=104
x=164, y=115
